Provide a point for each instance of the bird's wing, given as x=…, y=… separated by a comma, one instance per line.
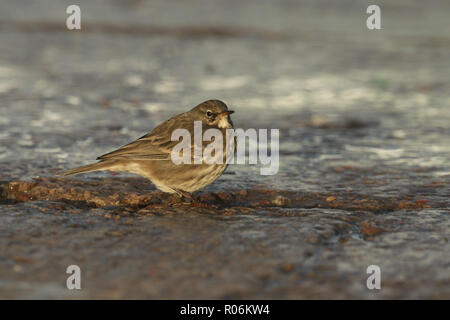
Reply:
x=156, y=145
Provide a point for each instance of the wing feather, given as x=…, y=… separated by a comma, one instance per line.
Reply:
x=156, y=145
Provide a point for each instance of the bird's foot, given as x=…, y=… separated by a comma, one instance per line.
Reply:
x=193, y=201
x=183, y=194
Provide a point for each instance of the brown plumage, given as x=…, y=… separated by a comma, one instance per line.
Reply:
x=150, y=155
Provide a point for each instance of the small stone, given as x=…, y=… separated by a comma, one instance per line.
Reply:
x=17, y=268
x=369, y=229
x=421, y=202
x=243, y=193
x=280, y=201
x=114, y=233
x=288, y=267
x=224, y=196
x=262, y=203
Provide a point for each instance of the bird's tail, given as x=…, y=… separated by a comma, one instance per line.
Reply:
x=102, y=165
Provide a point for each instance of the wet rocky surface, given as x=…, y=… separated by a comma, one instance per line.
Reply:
x=364, y=150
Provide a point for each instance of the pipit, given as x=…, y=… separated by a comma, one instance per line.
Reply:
x=150, y=155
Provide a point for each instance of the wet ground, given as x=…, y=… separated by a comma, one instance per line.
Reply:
x=364, y=150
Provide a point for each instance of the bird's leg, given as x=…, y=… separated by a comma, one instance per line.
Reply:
x=182, y=194
x=192, y=201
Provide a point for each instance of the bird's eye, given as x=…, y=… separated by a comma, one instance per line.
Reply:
x=208, y=113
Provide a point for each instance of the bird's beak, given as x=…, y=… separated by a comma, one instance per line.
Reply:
x=225, y=120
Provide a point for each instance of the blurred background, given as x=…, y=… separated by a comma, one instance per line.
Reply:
x=68, y=96
x=359, y=110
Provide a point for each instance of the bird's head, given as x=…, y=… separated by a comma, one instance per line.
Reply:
x=213, y=113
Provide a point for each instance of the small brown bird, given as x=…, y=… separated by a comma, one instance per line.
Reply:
x=150, y=155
